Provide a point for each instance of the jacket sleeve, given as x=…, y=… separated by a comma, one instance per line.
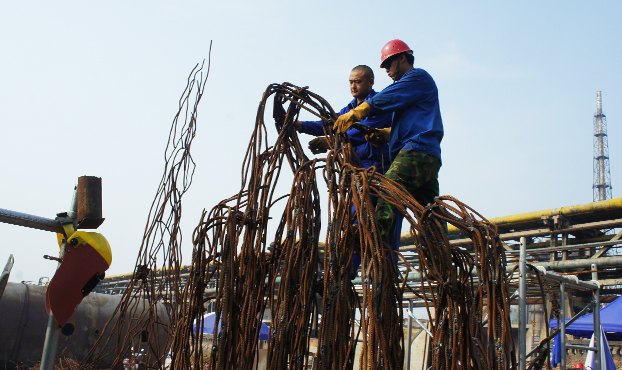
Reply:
x=315, y=128
x=403, y=93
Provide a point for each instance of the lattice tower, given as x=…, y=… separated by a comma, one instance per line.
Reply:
x=602, y=176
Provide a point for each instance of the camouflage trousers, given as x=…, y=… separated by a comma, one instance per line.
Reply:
x=418, y=173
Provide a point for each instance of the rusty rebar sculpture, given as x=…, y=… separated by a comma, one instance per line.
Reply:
x=287, y=270
x=261, y=250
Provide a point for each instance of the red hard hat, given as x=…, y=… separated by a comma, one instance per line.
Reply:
x=392, y=48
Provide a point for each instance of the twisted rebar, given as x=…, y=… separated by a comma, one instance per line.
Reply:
x=261, y=258
x=148, y=315
x=286, y=271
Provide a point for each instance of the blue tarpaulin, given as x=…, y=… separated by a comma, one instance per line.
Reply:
x=611, y=323
x=610, y=320
x=210, y=319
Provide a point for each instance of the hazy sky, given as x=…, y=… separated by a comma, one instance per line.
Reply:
x=90, y=88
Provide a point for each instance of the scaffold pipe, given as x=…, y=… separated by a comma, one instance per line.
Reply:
x=32, y=221
x=580, y=263
x=592, y=209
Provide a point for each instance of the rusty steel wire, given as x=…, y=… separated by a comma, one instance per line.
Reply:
x=284, y=272
x=260, y=250
x=148, y=316
x=255, y=270
x=471, y=290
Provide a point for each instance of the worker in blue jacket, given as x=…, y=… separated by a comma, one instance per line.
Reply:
x=414, y=136
x=366, y=155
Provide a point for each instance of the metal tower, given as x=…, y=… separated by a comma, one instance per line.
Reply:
x=602, y=176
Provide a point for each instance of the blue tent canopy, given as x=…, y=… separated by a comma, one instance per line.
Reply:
x=610, y=318
x=611, y=322
x=209, y=322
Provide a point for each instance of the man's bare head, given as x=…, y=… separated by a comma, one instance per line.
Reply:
x=361, y=82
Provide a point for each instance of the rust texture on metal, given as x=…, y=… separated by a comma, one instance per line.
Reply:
x=235, y=249
x=259, y=250
x=89, y=202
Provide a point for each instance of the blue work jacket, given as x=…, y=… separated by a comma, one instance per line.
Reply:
x=416, y=123
x=367, y=154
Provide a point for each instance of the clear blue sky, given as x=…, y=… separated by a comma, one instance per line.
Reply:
x=90, y=88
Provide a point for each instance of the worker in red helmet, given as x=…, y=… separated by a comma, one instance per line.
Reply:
x=414, y=136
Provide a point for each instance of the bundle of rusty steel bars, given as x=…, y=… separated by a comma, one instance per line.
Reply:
x=285, y=271
x=265, y=256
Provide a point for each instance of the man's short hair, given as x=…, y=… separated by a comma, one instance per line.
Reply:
x=410, y=58
x=367, y=72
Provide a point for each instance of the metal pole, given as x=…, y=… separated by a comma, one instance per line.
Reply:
x=597, y=330
x=48, y=357
x=26, y=220
x=50, y=346
x=410, y=333
x=587, y=262
x=597, y=337
x=562, y=321
x=522, y=306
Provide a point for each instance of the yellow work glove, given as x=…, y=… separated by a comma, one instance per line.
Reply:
x=379, y=137
x=343, y=122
